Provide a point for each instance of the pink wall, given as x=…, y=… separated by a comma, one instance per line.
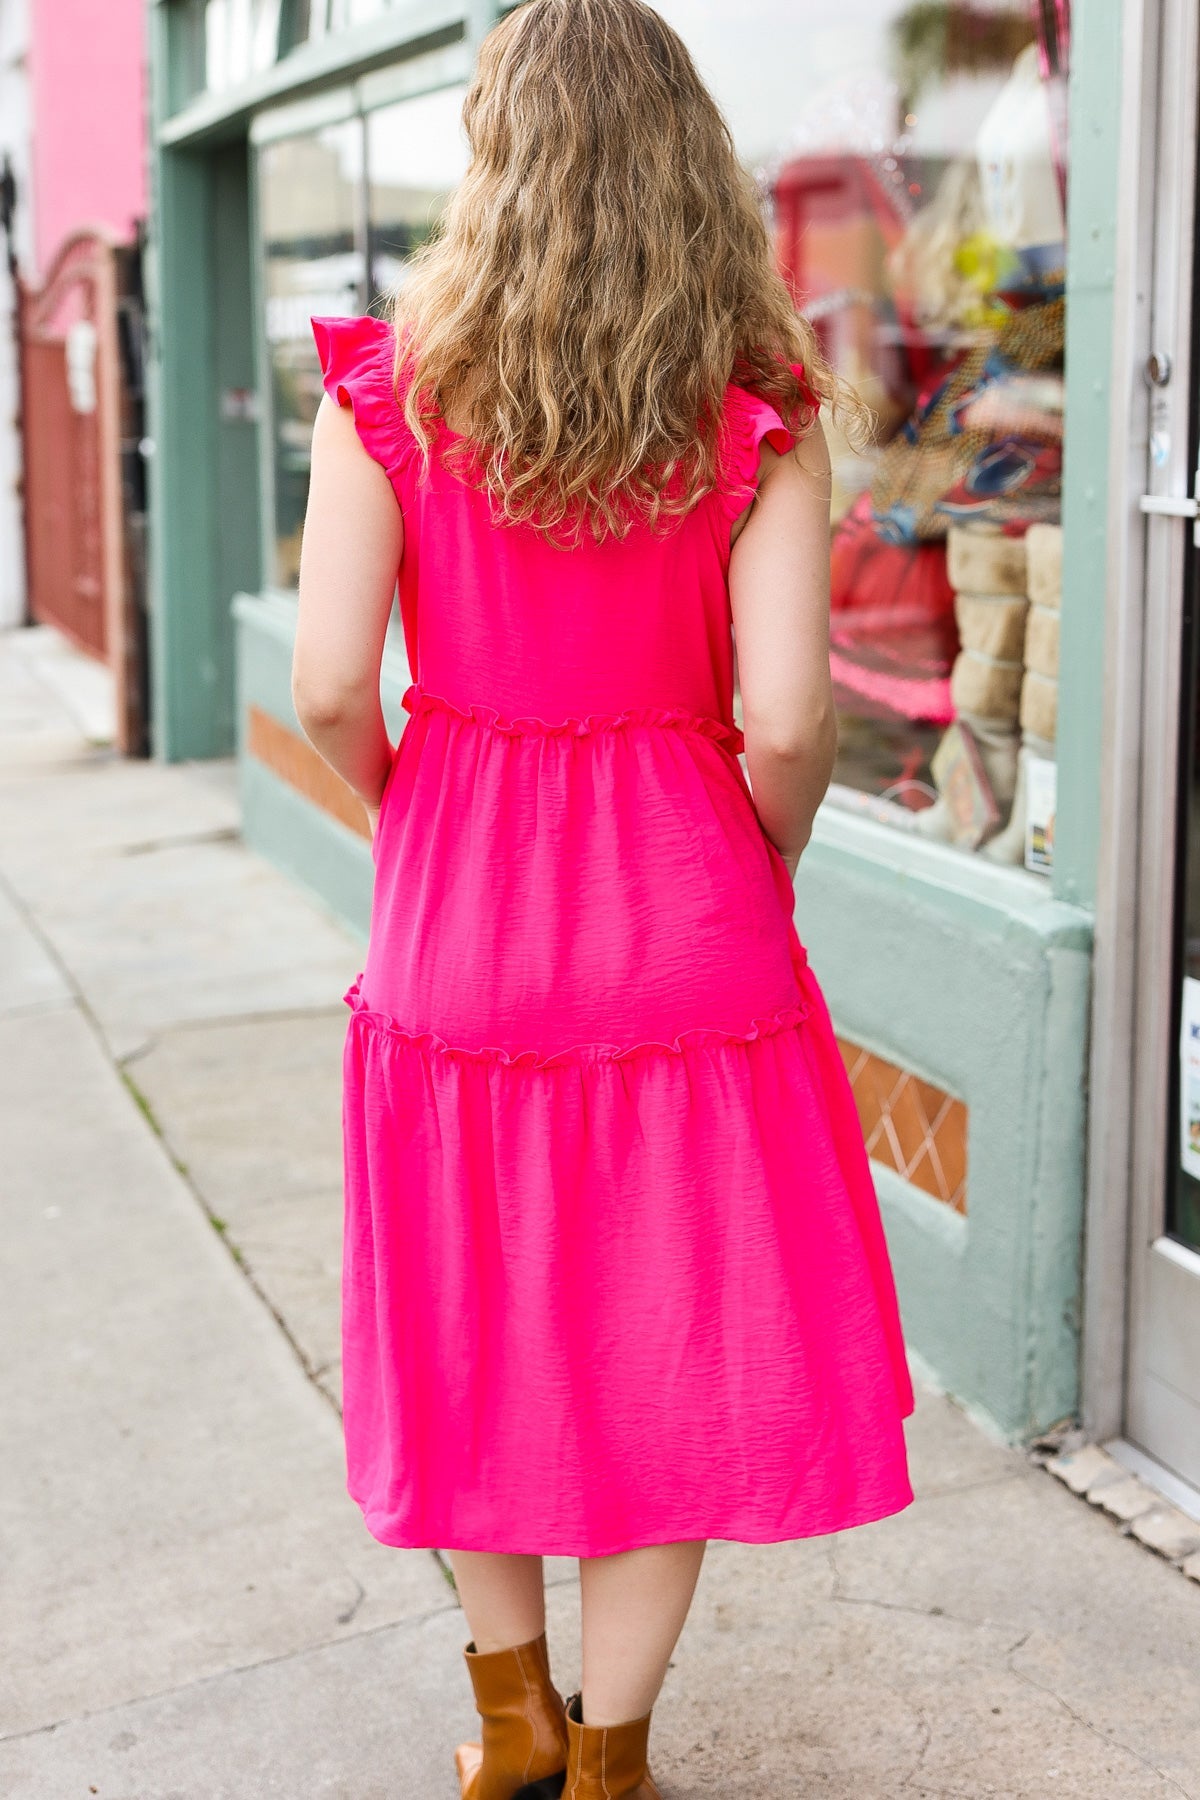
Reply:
x=87, y=83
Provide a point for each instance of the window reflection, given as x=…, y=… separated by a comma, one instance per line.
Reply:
x=912, y=158
x=240, y=36
x=416, y=154
x=310, y=202
x=301, y=20
x=324, y=195
x=354, y=12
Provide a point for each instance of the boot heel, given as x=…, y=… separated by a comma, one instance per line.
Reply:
x=549, y=1788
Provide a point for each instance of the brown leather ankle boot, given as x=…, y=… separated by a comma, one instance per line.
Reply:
x=607, y=1762
x=523, y=1755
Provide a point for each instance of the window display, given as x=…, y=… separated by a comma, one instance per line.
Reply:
x=915, y=174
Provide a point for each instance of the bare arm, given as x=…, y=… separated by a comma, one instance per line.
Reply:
x=353, y=541
x=779, y=594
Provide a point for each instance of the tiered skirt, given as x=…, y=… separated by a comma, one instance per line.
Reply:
x=614, y=1269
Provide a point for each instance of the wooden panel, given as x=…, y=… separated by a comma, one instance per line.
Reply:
x=294, y=760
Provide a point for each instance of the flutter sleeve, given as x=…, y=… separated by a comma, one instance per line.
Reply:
x=749, y=423
x=357, y=369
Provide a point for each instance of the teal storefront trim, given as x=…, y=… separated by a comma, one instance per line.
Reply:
x=1095, y=112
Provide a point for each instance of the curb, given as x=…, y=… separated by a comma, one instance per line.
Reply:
x=1138, y=1509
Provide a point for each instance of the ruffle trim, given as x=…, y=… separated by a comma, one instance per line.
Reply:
x=416, y=698
x=748, y=420
x=357, y=358
x=699, y=1037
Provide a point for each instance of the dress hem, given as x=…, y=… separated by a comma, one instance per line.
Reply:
x=396, y=1537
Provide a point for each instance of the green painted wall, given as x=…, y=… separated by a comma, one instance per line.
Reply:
x=188, y=707
x=204, y=527
x=204, y=515
x=978, y=980
x=315, y=850
x=237, y=562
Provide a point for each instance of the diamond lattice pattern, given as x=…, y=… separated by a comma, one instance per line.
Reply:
x=910, y=1125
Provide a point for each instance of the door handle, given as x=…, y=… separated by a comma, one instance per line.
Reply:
x=1170, y=505
x=1176, y=506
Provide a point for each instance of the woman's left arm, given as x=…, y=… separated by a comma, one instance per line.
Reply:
x=353, y=542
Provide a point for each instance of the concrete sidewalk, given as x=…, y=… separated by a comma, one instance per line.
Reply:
x=190, y=1607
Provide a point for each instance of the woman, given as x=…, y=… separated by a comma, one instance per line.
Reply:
x=615, y=1281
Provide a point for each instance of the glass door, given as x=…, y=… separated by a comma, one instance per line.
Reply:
x=1183, y=1163
x=1162, y=1407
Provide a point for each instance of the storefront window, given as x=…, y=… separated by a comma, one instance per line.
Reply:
x=299, y=21
x=219, y=43
x=912, y=158
x=353, y=12
x=240, y=37
x=310, y=210
x=317, y=18
x=341, y=209
x=416, y=154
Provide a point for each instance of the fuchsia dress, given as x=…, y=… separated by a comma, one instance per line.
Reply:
x=614, y=1267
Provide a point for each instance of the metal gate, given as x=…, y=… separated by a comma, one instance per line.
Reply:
x=81, y=577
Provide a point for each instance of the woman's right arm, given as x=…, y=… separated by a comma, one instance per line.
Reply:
x=779, y=595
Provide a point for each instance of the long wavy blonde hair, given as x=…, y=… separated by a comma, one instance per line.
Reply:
x=600, y=275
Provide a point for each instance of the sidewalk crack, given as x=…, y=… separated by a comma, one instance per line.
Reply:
x=185, y=840
x=1110, y=1742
